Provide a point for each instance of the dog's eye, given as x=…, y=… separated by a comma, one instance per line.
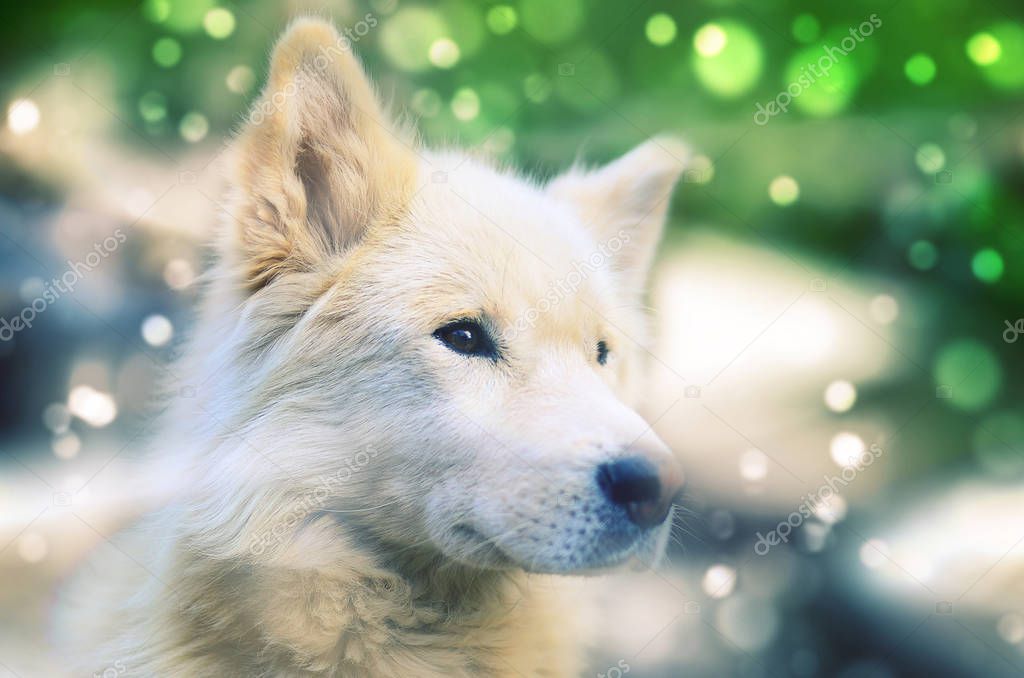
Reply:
x=467, y=337
x=602, y=352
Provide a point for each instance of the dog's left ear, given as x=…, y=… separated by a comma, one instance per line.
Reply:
x=319, y=162
x=626, y=201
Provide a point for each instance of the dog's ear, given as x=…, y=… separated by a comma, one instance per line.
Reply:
x=627, y=200
x=318, y=162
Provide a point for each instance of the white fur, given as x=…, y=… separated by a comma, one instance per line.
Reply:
x=364, y=501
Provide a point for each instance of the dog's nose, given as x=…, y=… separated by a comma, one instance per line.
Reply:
x=644, y=488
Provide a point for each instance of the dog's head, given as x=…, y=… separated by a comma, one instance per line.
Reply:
x=433, y=354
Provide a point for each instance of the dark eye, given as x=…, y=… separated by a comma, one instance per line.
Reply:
x=602, y=352
x=467, y=337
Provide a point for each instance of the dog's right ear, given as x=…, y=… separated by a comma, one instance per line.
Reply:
x=627, y=199
x=318, y=162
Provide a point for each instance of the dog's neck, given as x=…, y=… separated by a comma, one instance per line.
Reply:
x=378, y=613
x=431, y=574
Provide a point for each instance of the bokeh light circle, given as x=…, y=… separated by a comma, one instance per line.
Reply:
x=660, y=29
x=806, y=28
x=194, y=127
x=1011, y=628
x=920, y=69
x=167, y=52
x=999, y=52
x=537, y=87
x=156, y=11
x=967, y=374
x=753, y=465
x=466, y=104
x=874, y=553
x=840, y=396
x=502, y=19
x=987, y=265
x=818, y=85
x=179, y=274
x=884, y=309
x=187, y=17
x=847, y=449
x=444, y=53
x=719, y=581
x=32, y=547
x=66, y=445
x=551, y=22
x=157, y=330
x=153, y=106
x=784, y=190
x=709, y=40
x=57, y=417
x=728, y=58
x=406, y=37
x=219, y=23
x=427, y=102
x=983, y=49
x=923, y=255
x=22, y=116
x=930, y=158
x=240, y=79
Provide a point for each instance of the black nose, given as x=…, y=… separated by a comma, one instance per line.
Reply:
x=636, y=484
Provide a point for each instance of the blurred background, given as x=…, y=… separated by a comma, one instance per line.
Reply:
x=839, y=303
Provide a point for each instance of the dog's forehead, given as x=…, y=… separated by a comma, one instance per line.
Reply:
x=486, y=240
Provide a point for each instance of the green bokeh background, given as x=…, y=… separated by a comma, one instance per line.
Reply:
x=903, y=166
x=912, y=142
x=904, y=160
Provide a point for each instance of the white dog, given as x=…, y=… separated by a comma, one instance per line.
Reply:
x=410, y=376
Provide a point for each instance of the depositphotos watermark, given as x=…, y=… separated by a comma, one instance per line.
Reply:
x=569, y=284
x=325, y=55
x=58, y=287
x=313, y=500
x=113, y=671
x=616, y=671
x=812, y=72
x=816, y=503
x=1013, y=331
x=273, y=102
